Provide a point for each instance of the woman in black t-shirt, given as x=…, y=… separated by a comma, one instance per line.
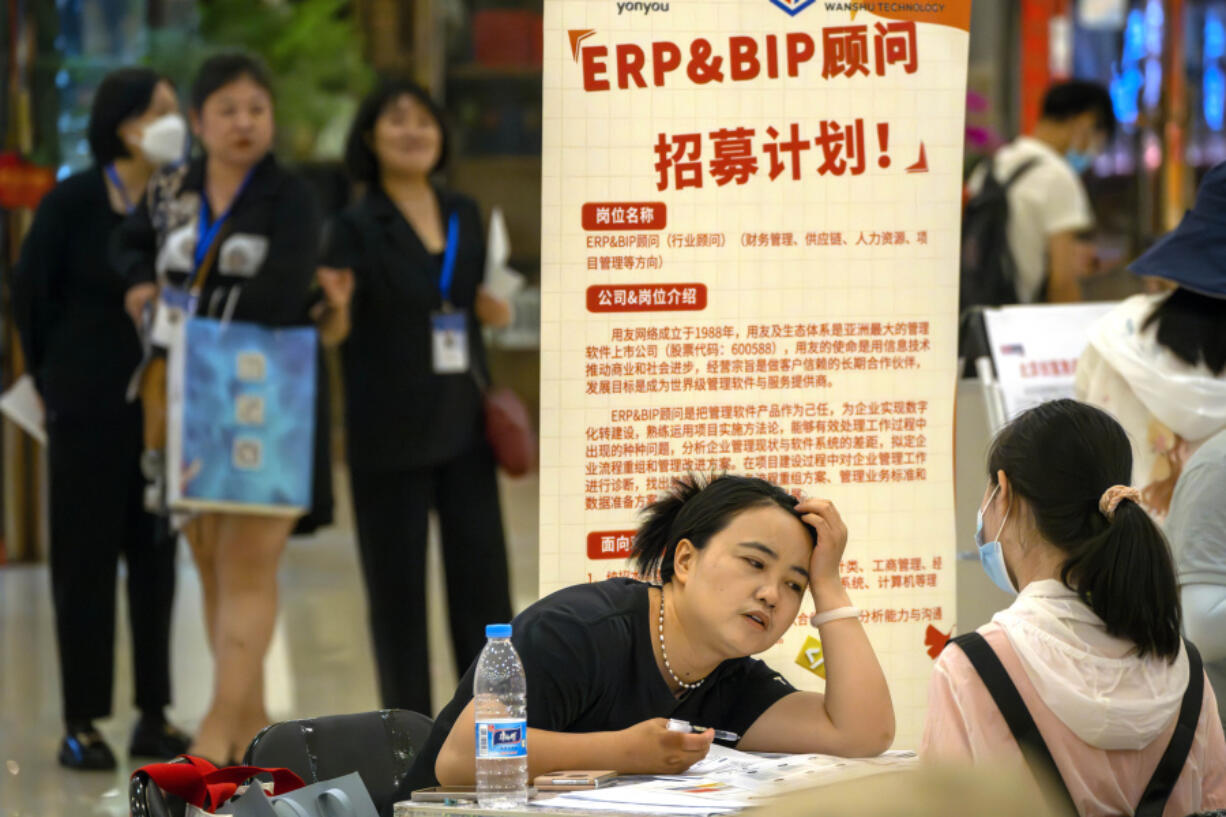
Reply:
x=608, y=662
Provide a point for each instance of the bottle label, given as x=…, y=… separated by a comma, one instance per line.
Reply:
x=502, y=738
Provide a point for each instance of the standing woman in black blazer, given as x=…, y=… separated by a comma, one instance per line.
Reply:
x=413, y=409
x=267, y=224
x=81, y=349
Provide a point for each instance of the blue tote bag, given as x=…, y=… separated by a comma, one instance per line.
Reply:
x=241, y=417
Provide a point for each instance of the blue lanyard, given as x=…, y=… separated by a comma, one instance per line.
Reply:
x=113, y=175
x=453, y=243
x=206, y=232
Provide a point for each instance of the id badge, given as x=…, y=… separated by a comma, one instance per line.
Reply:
x=449, y=331
x=173, y=307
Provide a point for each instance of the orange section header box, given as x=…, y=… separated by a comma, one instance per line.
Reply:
x=625, y=215
x=610, y=544
x=647, y=298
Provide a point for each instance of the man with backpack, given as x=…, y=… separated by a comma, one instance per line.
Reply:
x=1028, y=206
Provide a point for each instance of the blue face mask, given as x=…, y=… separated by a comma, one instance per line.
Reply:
x=990, y=554
x=1081, y=162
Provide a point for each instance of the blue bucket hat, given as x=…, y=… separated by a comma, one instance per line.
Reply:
x=1193, y=255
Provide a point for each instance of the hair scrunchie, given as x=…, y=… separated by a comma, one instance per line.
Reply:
x=1113, y=496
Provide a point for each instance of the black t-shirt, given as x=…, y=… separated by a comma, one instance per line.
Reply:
x=588, y=657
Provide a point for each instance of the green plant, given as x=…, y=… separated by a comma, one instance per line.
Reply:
x=312, y=47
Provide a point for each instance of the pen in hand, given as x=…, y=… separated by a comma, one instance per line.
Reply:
x=676, y=725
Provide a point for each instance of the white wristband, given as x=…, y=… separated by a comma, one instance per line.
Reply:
x=834, y=615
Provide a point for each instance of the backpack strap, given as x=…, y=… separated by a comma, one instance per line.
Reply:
x=1153, y=801
x=1009, y=701
x=1019, y=172
x=988, y=167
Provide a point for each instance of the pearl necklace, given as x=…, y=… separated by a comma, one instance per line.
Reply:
x=664, y=651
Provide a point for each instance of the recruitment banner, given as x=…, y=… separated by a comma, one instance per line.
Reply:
x=750, y=225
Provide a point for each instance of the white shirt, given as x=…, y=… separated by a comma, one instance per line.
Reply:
x=1127, y=373
x=1048, y=199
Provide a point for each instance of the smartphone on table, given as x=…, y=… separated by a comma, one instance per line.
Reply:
x=574, y=780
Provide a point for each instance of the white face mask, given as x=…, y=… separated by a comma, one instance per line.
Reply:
x=164, y=139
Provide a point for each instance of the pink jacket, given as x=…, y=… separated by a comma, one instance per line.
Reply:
x=964, y=724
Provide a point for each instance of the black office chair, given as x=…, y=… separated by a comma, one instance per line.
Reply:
x=380, y=746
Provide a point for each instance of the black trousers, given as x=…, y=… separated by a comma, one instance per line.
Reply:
x=391, y=508
x=97, y=514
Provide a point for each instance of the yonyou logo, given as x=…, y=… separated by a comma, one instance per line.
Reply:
x=793, y=7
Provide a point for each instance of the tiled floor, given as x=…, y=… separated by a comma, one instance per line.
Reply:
x=320, y=661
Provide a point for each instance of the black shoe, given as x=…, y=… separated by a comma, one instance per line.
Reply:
x=157, y=739
x=85, y=749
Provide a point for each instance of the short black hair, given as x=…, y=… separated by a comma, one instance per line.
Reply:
x=122, y=95
x=1061, y=456
x=220, y=70
x=1191, y=326
x=1065, y=100
x=360, y=158
x=696, y=509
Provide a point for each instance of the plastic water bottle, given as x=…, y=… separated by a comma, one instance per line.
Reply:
x=500, y=695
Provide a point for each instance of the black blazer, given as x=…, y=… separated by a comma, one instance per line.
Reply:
x=268, y=251
x=399, y=414
x=80, y=346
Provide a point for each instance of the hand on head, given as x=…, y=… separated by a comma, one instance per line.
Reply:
x=824, y=518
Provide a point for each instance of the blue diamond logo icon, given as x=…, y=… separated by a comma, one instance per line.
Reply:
x=793, y=7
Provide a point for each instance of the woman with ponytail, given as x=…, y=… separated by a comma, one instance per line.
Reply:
x=1084, y=675
x=729, y=562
